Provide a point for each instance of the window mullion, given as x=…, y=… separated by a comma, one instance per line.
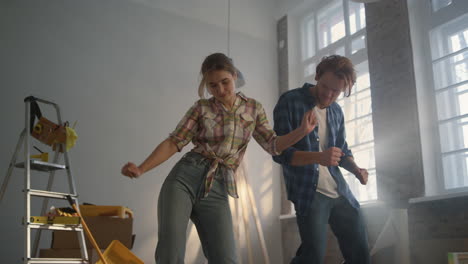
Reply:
x=316, y=38
x=453, y=119
x=452, y=152
x=456, y=85
x=347, y=43
x=453, y=54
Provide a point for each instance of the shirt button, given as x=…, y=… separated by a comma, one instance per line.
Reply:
x=317, y=169
x=318, y=139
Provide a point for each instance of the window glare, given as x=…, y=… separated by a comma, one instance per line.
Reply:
x=447, y=107
x=452, y=135
x=340, y=51
x=450, y=71
x=337, y=31
x=450, y=37
x=456, y=166
x=363, y=81
x=439, y=4
x=357, y=17
x=309, y=69
x=352, y=23
x=308, y=36
x=358, y=44
x=331, y=23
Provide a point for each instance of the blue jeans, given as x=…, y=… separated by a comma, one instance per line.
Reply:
x=346, y=223
x=179, y=201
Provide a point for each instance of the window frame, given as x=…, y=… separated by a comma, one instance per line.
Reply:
x=430, y=20
x=346, y=42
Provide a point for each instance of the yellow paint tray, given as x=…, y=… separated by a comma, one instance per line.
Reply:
x=117, y=253
x=105, y=210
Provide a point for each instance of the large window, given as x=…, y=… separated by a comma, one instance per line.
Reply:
x=338, y=27
x=449, y=50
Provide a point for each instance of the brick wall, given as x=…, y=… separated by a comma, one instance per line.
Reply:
x=436, y=228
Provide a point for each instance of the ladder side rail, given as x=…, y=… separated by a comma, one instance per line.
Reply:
x=71, y=181
x=27, y=186
x=12, y=165
x=59, y=116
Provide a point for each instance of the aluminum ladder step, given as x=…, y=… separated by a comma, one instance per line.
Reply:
x=56, y=195
x=38, y=165
x=56, y=227
x=57, y=260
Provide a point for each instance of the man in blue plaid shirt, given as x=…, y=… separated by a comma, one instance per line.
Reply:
x=314, y=182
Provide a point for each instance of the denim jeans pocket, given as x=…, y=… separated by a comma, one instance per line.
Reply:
x=195, y=159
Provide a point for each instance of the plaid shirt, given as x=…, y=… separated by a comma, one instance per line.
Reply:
x=301, y=181
x=222, y=135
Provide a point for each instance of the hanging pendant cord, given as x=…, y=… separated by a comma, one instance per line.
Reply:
x=229, y=29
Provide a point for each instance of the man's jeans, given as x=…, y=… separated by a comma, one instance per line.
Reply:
x=179, y=201
x=346, y=223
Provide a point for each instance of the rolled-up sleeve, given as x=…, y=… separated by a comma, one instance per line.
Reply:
x=282, y=126
x=187, y=127
x=263, y=133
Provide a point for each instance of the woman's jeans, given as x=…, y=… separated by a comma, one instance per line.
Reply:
x=346, y=223
x=179, y=201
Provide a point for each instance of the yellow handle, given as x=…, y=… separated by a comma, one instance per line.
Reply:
x=43, y=156
x=90, y=236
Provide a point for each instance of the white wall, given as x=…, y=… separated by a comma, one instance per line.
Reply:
x=127, y=71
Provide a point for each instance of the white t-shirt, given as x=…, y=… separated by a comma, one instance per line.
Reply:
x=326, y=184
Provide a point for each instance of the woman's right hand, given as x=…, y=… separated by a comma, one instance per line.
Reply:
x=131, y=170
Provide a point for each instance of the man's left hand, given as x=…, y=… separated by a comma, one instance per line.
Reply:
x=362, y=175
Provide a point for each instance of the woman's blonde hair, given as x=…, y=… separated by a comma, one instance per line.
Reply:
x=214, y=62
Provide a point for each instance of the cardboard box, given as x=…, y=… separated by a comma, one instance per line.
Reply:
x=68, y=253
x=103, y=228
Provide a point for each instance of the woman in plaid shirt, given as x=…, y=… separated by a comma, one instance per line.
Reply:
x=198, y=186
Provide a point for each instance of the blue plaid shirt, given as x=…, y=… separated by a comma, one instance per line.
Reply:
x=301, y=181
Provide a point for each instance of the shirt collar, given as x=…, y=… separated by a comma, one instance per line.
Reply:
x=239, y=96
x=306, y=91
x=242, y=96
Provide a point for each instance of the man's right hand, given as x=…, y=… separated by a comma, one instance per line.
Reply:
x=331, y=156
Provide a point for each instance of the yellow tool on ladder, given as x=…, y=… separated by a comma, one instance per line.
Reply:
x=30, y=165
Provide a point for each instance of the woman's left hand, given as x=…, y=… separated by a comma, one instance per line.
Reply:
x=309, y=121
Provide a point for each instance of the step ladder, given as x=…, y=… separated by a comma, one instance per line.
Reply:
x=29, y=166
